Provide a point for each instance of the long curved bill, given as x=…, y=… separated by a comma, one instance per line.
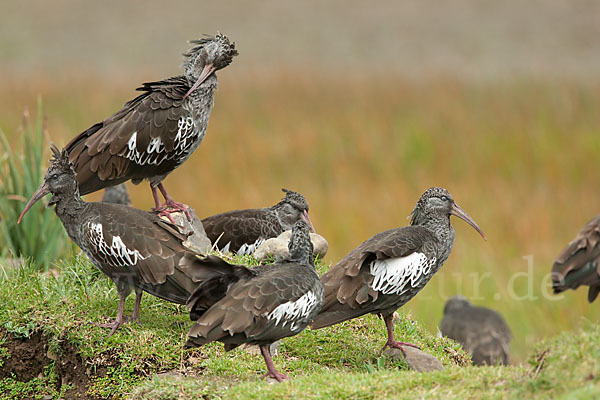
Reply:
x=308, y=222
x=206, y=72
x=39, y=193
x=460, y=213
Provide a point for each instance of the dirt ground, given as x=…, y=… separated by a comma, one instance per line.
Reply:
x=29, y=357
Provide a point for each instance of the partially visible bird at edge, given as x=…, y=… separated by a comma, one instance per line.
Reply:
x=579, y=262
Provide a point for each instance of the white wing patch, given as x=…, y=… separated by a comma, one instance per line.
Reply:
x=155, y=146
x=397, y=275
x=185, y=132
x=249, y=248
x=116, y=251
x=186, y=141
x=292, y=311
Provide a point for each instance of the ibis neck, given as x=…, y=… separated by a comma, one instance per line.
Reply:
x=69, y=210
x=202, y=97
x=301, y=250
x=200, y=103
x=441, y=228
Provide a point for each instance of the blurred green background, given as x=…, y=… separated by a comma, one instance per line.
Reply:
x=361, y=107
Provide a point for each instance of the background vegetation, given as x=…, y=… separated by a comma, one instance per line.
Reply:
x=361, y=109
x=41, y=235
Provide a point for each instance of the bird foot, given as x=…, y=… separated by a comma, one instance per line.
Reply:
x=278, y=376
x=170, y=207
x=116, y=324
x=133, y=318
x=113, y=325
x=399, y=345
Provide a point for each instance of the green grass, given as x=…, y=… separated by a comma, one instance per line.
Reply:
x=342, y=361
x=569, y=370
x=40, y=236
x=64, y=305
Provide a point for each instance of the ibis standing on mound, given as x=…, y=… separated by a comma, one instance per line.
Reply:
x=579, y=263
x=157, y=131
x=135, y=248
x=389, y=269
x=259, y=305
x=243, y=231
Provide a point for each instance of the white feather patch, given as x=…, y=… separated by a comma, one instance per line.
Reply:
x=117, y=251
x=186, y=140
x=185, y=132
x=292, y=311
x=397, y=275
x=249, y=248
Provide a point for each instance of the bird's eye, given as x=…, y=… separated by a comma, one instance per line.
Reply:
x=53, y=176
x=444, y=198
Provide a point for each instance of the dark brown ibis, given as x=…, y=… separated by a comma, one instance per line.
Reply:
x=481, y=331
x=389, y=269
x=157, y=131
x=242, y=231
x=134, y=248
x=259, y=305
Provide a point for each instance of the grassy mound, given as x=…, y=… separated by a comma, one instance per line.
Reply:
x=49, y=348
x=565, y=367
x=49, y=345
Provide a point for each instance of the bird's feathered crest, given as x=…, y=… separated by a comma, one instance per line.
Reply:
x=295, y=199
x=60, y=159
x=229, y=50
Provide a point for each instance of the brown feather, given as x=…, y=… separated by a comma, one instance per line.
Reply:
x=347, y=285
x=579, y=263
x=155, y=113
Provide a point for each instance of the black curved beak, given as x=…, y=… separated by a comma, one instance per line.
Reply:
x=38, y=194
x=460, y=213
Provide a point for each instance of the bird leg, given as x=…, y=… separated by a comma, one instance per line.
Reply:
x=119, y=321
x=170, y=206
x=389, y=323
x=136, y=310
x=265, y=350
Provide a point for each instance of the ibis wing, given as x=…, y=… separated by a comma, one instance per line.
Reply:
x=138, y=141
x=384, y=264
x=579, y=262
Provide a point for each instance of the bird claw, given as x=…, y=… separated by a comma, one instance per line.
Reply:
x=113, y=325
x=278, y=376
x=116, y=324
x=170, y=207
x=399, y=345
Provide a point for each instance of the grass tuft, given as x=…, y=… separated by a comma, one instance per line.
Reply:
x=40, y=236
